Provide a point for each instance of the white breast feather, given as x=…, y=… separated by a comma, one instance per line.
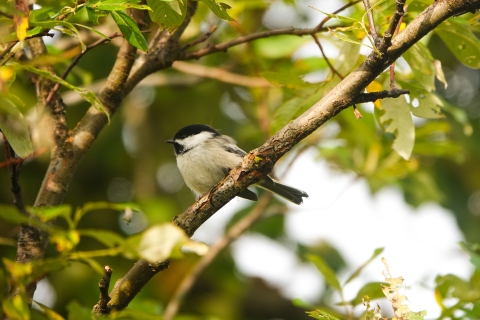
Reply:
x=201, y=171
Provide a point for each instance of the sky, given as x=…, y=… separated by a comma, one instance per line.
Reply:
x=418, y=243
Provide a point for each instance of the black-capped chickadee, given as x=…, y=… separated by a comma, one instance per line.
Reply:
x=204, y=157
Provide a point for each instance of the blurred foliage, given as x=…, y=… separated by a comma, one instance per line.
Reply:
x=432, y=156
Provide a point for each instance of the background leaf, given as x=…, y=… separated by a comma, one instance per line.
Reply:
x=461, y=41
x=15, y=128
x=399, y=121
x=325, y=270
x=219, y=8
x=168, y=14
x=130, y=30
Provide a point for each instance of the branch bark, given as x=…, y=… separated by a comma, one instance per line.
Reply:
x=259, y=162
x=68, y=149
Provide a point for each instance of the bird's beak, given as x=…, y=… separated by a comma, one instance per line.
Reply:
x=170, y=141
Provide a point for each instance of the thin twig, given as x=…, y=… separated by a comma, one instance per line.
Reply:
x=20, y=160
x=233, y=233
x=265, y=34
x=6, y=15
x=387, y=38
x=200, y=40
x=79, y=56
x=220, y=74
x=13, y=43
x=103, y=286
x=14, y=169
x=392, y=66
x=371, y=22
x=7, y=50
x=373, y=96
x=326, y=19
x=332, y=68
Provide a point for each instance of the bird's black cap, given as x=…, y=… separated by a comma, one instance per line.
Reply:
x=192, y=130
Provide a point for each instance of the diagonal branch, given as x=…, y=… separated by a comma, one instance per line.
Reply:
x=259, y=162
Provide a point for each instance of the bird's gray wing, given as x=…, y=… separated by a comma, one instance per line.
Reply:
x=234, y=149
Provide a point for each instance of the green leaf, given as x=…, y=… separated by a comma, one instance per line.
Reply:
x=420, y=61
x=41, y=14
x=399, y=121
x=321, y=315
x=15, y=128
x=168, y=14
x=116, y=5
x=94, y=15
x=278, y=47
x=415, y=315
x=161, y=242
x=16, y=307
x=130, y=30
x=13, y=36
x=9, y=213
x=452, y=286
x=78, y=312
x=286, y=79
x=108, y=238
x=133, y=314
x=49, y=213
x=429, y=104
x=325, y=270
x=292, y=108
x=219, y=8
x=474, y=252
x=62, y=26
x=51, y=315
x=97, y=267
x=86, y=94
x=347, y=59
x=64, y=240
x=375, y=254
x=102, y=205
x=461, y=41
x=92, y=30
x=372, y=289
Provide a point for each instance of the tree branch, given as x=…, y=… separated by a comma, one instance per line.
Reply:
x=373, y=96
x=220, y=74
x=163, y=54
x=397, y=16
x=259, y=162
x=103, y=286
x=69, y=149
x=32, y=241
x=80, y=55
x=14, y=170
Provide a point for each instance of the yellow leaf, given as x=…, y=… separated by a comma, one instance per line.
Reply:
x=18, y=270
x=21, y=27
x=6, y=73
x=376, y=86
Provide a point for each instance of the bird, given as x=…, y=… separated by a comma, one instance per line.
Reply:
x=205, y=156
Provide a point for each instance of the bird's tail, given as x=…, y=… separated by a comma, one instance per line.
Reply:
x=289, y=193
